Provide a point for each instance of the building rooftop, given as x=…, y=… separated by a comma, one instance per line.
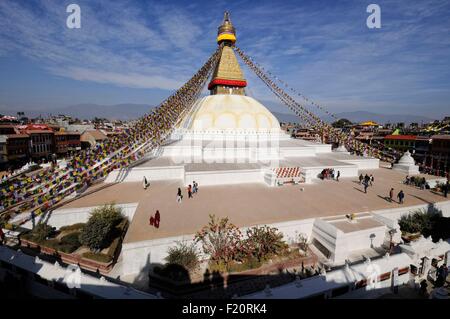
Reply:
x=96, y=134
x=441, y=137
x=400, y=137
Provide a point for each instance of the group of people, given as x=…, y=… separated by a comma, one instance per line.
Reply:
x=155, y=220
x=420, y=182
x=329, y=173
x=400, y=196
x=366, y=181
x=191, y=190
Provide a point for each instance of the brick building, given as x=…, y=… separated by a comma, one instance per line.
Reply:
x=66, y=142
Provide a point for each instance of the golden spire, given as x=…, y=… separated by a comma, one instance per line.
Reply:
x=227, y=77
x=226, y=31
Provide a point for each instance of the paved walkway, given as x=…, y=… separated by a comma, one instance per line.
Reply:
x=250, y=204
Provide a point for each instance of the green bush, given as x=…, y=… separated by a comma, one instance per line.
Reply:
x=103, y=258
x=419, y=221
x=99, y=230
x=67, y=248
x=77, y=226
x=71, y=239
x=50, y=243
x=263, y=242
x=40, y=232
x=183, y=255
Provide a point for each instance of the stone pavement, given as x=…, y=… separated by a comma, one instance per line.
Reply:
x=251, y=204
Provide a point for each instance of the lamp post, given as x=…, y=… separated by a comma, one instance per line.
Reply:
x=372, y=237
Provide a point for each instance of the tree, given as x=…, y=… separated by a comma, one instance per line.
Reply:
x=220, y=240
x=341, y=123
x=96, y=234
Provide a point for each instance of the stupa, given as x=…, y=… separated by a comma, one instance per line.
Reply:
x=407, y=165
x=229, y=137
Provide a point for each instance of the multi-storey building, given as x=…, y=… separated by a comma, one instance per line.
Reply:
x=400, y=142
x=66, y=142
x=14, y=149
x=41, y=140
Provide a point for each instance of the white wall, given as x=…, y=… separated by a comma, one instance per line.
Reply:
x=137, y=174
x=136, y=255
x=297, y=151
x=70, y=216
x=224, y=177
x=366, y=163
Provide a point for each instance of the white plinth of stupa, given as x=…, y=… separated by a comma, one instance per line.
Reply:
x=407, y=165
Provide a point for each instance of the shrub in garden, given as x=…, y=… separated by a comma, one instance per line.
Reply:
x=263, y=242
x=220, y=239
x=97, y=232
x=103, y=258
x=303, y=242
x=40, y=232
x=71, y=239
x=173, y=271
x=184, y=255
x=419, y=221
x=77, y=226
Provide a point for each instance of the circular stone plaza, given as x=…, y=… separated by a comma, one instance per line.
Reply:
x=254, y=173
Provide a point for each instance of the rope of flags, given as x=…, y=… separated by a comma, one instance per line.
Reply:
x=314, y=121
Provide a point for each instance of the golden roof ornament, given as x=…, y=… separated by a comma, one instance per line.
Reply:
x=227, y=77
x=226, y=32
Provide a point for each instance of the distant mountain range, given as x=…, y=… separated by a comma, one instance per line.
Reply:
x=126, y=111
x=129, y=111
x=361, y=116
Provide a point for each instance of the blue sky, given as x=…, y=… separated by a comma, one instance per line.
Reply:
x=141, y=51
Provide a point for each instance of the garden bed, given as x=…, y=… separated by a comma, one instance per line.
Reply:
x=64, y=245
x=266, y=269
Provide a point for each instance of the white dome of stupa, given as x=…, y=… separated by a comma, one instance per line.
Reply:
x=406, y=159
x=230, y=112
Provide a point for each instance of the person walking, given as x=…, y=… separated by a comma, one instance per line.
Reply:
x=194, y=187
x=391, y=195
x=189, y=191
x=179, y=195
x=366, y=185
x=151, y=221
x=360, y=179
x=145, y=183
x=338, y=175
x=157, y=218
x=372, y=180
x=400, y=196
x=367, y=179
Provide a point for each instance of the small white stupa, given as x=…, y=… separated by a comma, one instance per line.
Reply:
x=342, y=149
x=407, y=165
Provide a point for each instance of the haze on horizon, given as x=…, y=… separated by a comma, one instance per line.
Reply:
x=141, y=51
